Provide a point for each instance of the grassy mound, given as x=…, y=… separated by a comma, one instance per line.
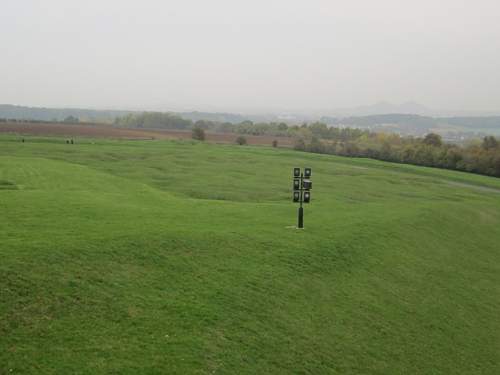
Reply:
x=169, y=257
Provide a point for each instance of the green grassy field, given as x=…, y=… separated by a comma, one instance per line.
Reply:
x=134, y=257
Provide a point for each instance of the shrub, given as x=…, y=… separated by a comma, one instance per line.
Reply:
x=71, y=120
x=241, y=140
x=198, y=134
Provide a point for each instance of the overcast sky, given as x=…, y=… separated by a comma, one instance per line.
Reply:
x=250, y=55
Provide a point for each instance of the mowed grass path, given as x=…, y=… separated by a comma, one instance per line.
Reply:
x=167, y=257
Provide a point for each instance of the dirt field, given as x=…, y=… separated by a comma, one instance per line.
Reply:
x=107, y=131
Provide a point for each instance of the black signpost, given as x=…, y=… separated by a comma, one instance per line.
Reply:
x=302, y=186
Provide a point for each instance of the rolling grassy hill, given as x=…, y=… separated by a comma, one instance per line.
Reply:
x=177, y=257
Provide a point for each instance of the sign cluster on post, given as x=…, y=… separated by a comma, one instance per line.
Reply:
x=302, y=186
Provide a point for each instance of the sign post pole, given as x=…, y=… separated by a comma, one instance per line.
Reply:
x=301, y=191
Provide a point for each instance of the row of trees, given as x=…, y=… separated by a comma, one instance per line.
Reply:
x=162, y=120
x=172, y=121
x=66, y=120
x=482, y=158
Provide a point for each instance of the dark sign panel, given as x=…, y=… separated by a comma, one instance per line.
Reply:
x=307, y=197
x=296, y=184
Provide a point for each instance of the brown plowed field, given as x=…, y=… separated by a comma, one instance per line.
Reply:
x=108, y=131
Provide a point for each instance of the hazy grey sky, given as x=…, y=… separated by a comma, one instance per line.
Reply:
x=250, y=55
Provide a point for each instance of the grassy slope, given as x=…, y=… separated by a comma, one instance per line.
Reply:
x=143, y=257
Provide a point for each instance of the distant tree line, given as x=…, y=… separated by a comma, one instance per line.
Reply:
x=162, y=120
x=66, y=120
x=29, y=121
x=16, y=112
x=482, y=157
